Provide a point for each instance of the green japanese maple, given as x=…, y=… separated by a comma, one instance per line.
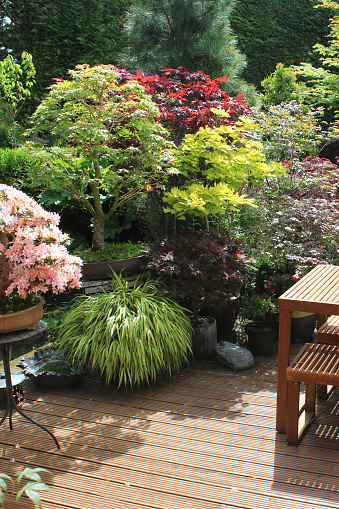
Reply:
x=16, y=81
x=214, y=164
x=111, y=146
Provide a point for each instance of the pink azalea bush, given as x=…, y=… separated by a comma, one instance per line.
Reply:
x=33, y=253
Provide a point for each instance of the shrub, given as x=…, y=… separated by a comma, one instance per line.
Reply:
x=14, y=165
x=33, y=253
x=306, y=229
x=197, y=265
x=131, y=335
x=281, y=86
x=288, y=132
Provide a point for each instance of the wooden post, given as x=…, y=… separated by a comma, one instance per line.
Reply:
x=283, y=361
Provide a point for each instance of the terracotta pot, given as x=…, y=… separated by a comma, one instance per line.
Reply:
x=103, y=270
x=204, y=338
x=25, y=319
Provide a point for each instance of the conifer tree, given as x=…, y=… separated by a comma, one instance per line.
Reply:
x=195, y=34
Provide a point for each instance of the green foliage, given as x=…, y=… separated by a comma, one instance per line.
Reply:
x=272, y=31
x=322, y=82
x=16, y=81
x=62, y=34
x=189, y=33
x=214, y=164
x=15, y=165
x=116, y=251
x=11, y=487
x=14, y=303
x=116, y=148
x=288, y=131
x=259, y=309
x=281, y=86
x=131, y=335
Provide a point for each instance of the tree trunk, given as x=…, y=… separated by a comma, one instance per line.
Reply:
x=98, y=240
x=4, y=269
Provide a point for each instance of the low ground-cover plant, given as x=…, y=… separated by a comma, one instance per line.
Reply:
x=116, y=251
x=131, y=335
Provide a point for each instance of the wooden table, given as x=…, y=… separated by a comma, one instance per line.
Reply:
x=7, y=340
x=317, y=292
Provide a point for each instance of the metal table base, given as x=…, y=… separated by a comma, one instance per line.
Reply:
x=7, y=340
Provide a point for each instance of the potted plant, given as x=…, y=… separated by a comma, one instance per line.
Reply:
x=198, y=267
x=262, y=313
x=33, y=259
x=118, y=257
x=131, y=335
x=109, y=144
x=272, y=275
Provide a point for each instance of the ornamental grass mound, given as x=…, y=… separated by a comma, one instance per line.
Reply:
x=130, y=335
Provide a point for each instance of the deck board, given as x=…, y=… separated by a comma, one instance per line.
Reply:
x=204, y=440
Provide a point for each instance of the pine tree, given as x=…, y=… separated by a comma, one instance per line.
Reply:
x=195, y=34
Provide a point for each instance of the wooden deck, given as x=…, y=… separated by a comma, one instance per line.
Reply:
x=204, y=440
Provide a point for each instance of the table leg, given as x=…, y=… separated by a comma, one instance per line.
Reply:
x=11, y=401
x=283, y=362
x=9, y=388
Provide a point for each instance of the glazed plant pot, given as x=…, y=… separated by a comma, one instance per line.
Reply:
x=261, y=340
x=302, y=326
x=204, y=338
x=25, y=319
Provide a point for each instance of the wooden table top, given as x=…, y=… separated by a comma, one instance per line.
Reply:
x=317, y=292
x=8, y=339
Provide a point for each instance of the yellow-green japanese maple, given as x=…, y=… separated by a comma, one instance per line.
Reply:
x=110, y=144
x=214, y=164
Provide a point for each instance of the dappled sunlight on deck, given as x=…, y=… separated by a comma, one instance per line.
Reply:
x=204, y=440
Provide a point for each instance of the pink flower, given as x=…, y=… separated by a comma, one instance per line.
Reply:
x=36, y=248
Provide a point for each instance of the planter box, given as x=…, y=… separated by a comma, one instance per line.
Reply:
x=103, y=270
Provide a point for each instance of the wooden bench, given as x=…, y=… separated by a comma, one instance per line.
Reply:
x=329, y=331
x=316, y=364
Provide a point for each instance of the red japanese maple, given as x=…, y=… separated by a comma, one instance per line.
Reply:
x=186, y=99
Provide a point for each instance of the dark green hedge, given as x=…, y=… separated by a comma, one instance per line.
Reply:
x=272, y=31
